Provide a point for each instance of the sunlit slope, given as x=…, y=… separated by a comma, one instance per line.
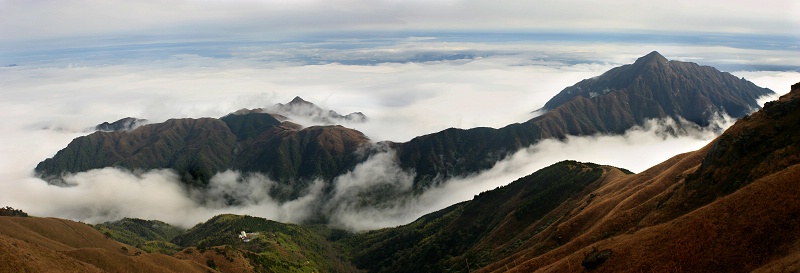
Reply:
x=55, y=245
x=730, y=206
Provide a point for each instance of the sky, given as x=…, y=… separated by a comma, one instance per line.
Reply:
x=412, y=67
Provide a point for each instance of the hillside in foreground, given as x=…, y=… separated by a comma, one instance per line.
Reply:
x=30, y=244
x=728, y=207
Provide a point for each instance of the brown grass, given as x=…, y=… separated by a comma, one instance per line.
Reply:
x=30, y=244
x=226, y=260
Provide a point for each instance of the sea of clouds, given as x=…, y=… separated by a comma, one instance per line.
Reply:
x=407, y=87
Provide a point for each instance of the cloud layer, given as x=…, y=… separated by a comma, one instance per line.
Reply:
x=407, y=86
x=110, y=194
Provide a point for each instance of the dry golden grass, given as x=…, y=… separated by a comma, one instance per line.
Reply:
x=30, y=244
x=225, y=260
x=20, y=256
x=679, y=216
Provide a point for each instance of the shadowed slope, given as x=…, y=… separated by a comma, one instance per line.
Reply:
x=612, y=103
x=652, y=87
x=488, y=228
x=195, y=148
x=199, y=148
x=731, y=207
x=249, y=141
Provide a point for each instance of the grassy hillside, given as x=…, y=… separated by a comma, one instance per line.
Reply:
x=148, y=235
x=32, y=244
x=274, y=247
x=476, y=233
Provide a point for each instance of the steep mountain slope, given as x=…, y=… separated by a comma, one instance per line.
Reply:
x=652, y=87
x=29, y=244
x=454, y=152
x=199, y=148
x=730, y=206
x=618, y=100
x=195, y=148
x=475, y=233
x=252, y=141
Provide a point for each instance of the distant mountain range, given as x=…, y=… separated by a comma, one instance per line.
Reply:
x=257, y=141
x=298, y=107
x=729, y=207
x=124, y=124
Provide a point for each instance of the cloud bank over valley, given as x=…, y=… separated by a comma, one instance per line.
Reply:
x=408, y=86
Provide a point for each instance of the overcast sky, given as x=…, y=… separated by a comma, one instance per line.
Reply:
x=72, y=22
x=413, y=67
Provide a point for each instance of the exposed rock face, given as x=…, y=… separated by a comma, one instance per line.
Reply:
x=650, y=88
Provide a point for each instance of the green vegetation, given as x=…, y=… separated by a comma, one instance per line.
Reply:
x=273, y=246
x=438, y=242
x=149, y=235
x=450, y=239
x=559, y=182
x=9, y=211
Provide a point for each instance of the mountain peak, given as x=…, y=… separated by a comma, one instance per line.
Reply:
x=651, y=58
x=650, y=88
x=299, y=100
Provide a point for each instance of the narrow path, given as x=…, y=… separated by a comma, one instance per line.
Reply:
x=76, y=232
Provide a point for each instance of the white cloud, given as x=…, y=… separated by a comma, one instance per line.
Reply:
x=638, y=149
x=109, y=194
x=92, y=21
x=52, y=99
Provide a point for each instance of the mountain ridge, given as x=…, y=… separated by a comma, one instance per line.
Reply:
x=674, y=216
x=730, y=206
x=253, y=141
x=650, y=88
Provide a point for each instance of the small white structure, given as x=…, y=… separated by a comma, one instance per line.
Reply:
x=246, y=237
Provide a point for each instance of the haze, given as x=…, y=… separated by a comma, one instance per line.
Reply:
x=413, y=67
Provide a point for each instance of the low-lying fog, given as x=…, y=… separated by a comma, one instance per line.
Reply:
x=416, y=87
